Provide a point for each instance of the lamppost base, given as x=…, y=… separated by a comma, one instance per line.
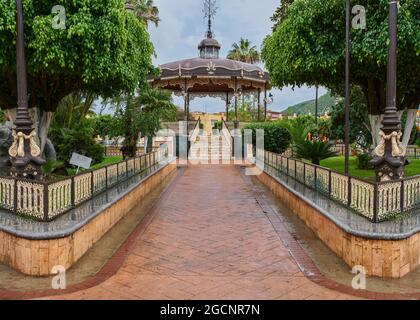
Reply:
x=389, y=168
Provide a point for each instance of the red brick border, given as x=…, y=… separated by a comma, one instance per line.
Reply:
x=112, y=265
x=305, y=263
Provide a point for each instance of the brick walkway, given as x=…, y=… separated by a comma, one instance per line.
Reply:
x=209, y=239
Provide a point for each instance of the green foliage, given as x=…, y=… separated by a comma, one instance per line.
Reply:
x=298, y=128
x=104, y=50
x=247, y=110
x=78, y=139
x=325, y=104
x=276, y=137
x=52, y=168
x=314, y=150
x=359, y=128
x=102, y=125
x=281, y=13
x=244, y=51
x=142, y=115
x=363, y=161
x=218, y=125
x=308, y=47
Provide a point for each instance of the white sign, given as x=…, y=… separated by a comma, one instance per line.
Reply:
x=80, y=161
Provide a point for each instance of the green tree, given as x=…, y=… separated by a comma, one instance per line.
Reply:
x=308, y=46
x=281, y=13
x=314, y=150
x=360, y=126
x=103, y=49
x=276, y=137
x=146, y=11
x=244, y=51
x=142, y=115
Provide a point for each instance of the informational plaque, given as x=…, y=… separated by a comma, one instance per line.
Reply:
x=80, y=161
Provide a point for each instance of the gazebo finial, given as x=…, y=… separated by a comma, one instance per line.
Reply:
x=209, y=10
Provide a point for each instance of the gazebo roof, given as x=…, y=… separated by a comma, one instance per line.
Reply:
x=208, y=74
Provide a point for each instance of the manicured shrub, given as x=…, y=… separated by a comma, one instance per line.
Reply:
x=276, y=138
x=314, y=150
x=363, y=161
x=78, y=139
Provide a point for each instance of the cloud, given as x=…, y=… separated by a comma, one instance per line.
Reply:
x=183, y=27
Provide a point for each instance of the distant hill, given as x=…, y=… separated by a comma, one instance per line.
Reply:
x=325, y=104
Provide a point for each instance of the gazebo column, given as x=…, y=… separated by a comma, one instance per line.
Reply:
x=236, y=122
x=259, y=105
x=265, y=102
x=227, y=106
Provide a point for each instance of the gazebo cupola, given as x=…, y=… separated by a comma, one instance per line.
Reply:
x=209, y=48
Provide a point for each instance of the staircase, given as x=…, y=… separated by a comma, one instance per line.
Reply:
x=212, y=148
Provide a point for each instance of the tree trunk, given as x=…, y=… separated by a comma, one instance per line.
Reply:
x=43, y=124
x=409, y=124
x=149, y=147
x=376, y=125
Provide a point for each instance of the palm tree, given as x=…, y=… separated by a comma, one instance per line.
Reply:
x=73, y=108
x=244, y=52
x=142, y=114
x=314, y=150
x=146, y=11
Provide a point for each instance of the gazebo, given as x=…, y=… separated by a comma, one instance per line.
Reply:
x=210, y=75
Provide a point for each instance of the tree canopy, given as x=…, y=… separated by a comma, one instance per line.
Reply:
x=103, y=49
x=244, y=51
x=308, y=46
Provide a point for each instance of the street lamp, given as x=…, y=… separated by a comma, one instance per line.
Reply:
x=347, y=95
x=24, y=154
x=389, y=156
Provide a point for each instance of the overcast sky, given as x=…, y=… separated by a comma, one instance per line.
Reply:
x=183, y=27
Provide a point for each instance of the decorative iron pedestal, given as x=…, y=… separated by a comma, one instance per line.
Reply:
x=24, y=152
x=390, y=155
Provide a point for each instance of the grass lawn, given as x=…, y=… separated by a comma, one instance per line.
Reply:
x=107, y=161
x=337, y=164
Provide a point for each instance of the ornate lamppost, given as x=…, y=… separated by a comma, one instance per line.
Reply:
x=389, y=156
x=24, y=152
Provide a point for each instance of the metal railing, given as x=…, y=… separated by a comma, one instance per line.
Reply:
x=375, y=201
x=45, y=201
x=412, y=151
x=226, y=133
x=114, y=151
x=196, y=131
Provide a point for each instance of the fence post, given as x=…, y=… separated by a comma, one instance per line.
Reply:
x=106, y=178
x=315, y=179
x=402, y=194
x=287, y=166
x=375, y=203
x=15, y=196
x=92, y=187
x=46, y=202
x=72, y=193
x=126, y=168
x=329, y=183
x=118, y=172
x=349, y=192
x=304, y=173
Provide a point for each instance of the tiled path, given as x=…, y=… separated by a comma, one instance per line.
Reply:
x=209, y=239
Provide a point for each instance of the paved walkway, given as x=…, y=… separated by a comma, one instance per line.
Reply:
x=209, y=239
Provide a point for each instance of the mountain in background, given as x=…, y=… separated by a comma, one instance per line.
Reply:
x=325, y=104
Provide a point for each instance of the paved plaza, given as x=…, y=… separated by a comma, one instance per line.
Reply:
x=209, y=239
